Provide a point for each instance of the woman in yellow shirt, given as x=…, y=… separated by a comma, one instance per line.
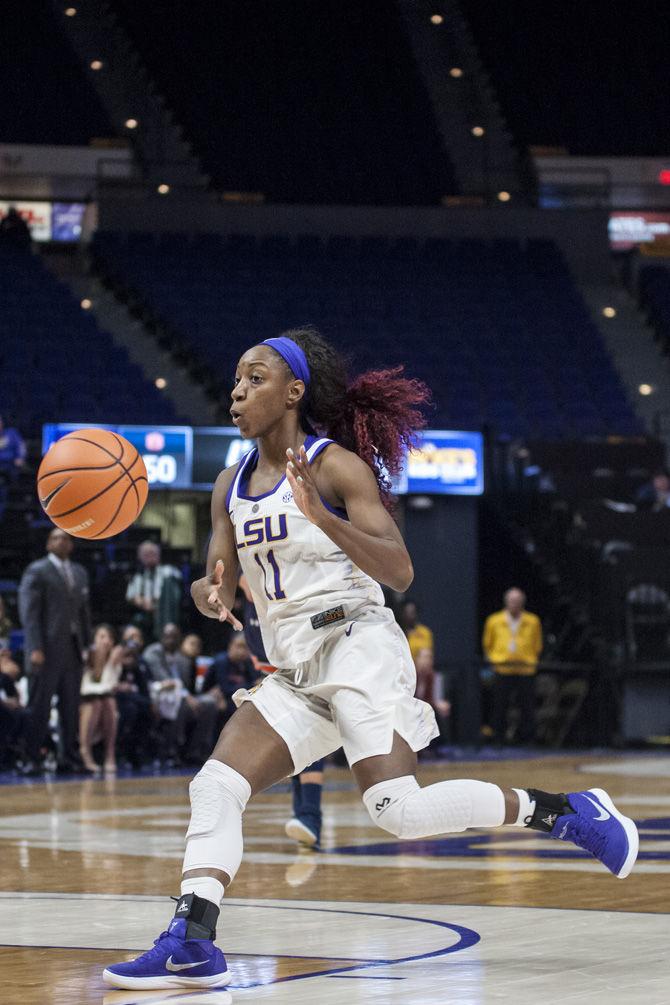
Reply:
x=419, y=636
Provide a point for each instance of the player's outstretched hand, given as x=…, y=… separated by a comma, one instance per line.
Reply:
x=207, y=597
x=305, y=492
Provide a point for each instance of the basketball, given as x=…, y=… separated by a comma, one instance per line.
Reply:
x=92, y=483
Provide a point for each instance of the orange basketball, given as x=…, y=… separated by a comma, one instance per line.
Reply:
x=92, y=483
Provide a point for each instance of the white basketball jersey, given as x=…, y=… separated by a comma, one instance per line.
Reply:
x=303, y=585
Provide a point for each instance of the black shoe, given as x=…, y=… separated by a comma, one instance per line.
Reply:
x=31, y=769
x=72, y=768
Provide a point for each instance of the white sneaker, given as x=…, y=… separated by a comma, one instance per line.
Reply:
x=300, y=832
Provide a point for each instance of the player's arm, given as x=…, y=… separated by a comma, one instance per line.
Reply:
x=214, y=594
x=370, y=537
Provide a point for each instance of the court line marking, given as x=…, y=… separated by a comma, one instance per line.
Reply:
x=266, y=901
x=363, y=977
x=467, y=938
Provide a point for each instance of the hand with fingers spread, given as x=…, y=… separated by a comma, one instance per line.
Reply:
x=207, y=596
x=305, y=493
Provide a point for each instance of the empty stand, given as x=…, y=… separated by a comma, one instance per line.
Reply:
x=576, y=75
x=654, y=287
x=498, y=330
x=56, y=364
x=45, y=94
x=304, y=102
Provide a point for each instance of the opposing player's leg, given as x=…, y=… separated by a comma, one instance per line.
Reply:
x=397, y=803
x=305, y=824
x=249, y=757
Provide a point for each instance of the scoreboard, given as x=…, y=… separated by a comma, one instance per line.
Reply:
x=443, y=462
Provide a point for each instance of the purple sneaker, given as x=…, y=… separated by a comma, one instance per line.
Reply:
x=597, y=826
x=174, y=962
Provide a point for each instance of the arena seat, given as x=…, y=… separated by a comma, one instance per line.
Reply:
x=654, y=295
x=555, y=85
x=317, y=105
x=45, y=95
x=59, y=365
x=489, y=326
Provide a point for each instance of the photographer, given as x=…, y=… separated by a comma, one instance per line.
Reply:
x=132, y=700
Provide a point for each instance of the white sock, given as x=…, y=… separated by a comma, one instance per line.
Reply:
x=204, y=886
x=526, y=808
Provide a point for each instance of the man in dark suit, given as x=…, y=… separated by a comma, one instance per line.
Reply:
x=54, y=611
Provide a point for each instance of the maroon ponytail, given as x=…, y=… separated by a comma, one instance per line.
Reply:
x=375, y=416
x=382, y=414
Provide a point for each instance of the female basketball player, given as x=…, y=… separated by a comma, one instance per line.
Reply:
x=305, y=518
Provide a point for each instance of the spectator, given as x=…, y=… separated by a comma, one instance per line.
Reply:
x=191, y=648
x=154, y=591
x=5, y=623
x=13, y=717
x=14, y=231
x=512, y=643
x=54, y=611
x=229, y=672
x=132, y=699
x=12, y=459
x=97, y=713
x=655, y=494
x=427, y=684
x=419, y=636
x=12, y=448
x=187, y=721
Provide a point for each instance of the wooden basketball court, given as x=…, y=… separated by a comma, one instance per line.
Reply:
x=87, y=868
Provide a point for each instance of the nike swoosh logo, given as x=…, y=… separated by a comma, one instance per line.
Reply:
x=176, y=967
x=604, y=815
x=347, y=631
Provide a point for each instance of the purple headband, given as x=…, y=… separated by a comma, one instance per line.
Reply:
x=292, y=354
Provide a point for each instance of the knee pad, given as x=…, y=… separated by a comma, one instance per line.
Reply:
x=386, y=801
x=404, y=809
x=219, y=796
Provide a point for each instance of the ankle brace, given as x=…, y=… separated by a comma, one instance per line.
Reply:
x=201, y=916
x=548, y=807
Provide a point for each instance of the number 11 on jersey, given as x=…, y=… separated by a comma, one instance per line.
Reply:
x=278, y=592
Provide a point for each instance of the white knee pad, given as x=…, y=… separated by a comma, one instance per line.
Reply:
x=401, y=807
x=219, y=796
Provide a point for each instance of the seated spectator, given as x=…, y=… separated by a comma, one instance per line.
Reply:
x=5, y=624
x=419, y=636
x=186, y=721
x=12, y=449
x=12, y=458
x=14, y=231
x=191, y=648
x=97, y=712
x=228, y=673
x=427, y=689
x=12, y=715
x=154, y=591
x=655, y=495
x=132, y=700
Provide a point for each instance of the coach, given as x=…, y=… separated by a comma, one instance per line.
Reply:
x=54, y=611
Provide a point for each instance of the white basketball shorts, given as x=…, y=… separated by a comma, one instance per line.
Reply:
x=355, y=691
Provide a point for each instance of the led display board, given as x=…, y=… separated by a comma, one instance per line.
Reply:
x=48, y=221
x=443, y=462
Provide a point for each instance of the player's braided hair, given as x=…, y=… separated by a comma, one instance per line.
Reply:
x=375, y=416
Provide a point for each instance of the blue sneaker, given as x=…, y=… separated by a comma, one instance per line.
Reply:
x=174, y=962
x=597, y=826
